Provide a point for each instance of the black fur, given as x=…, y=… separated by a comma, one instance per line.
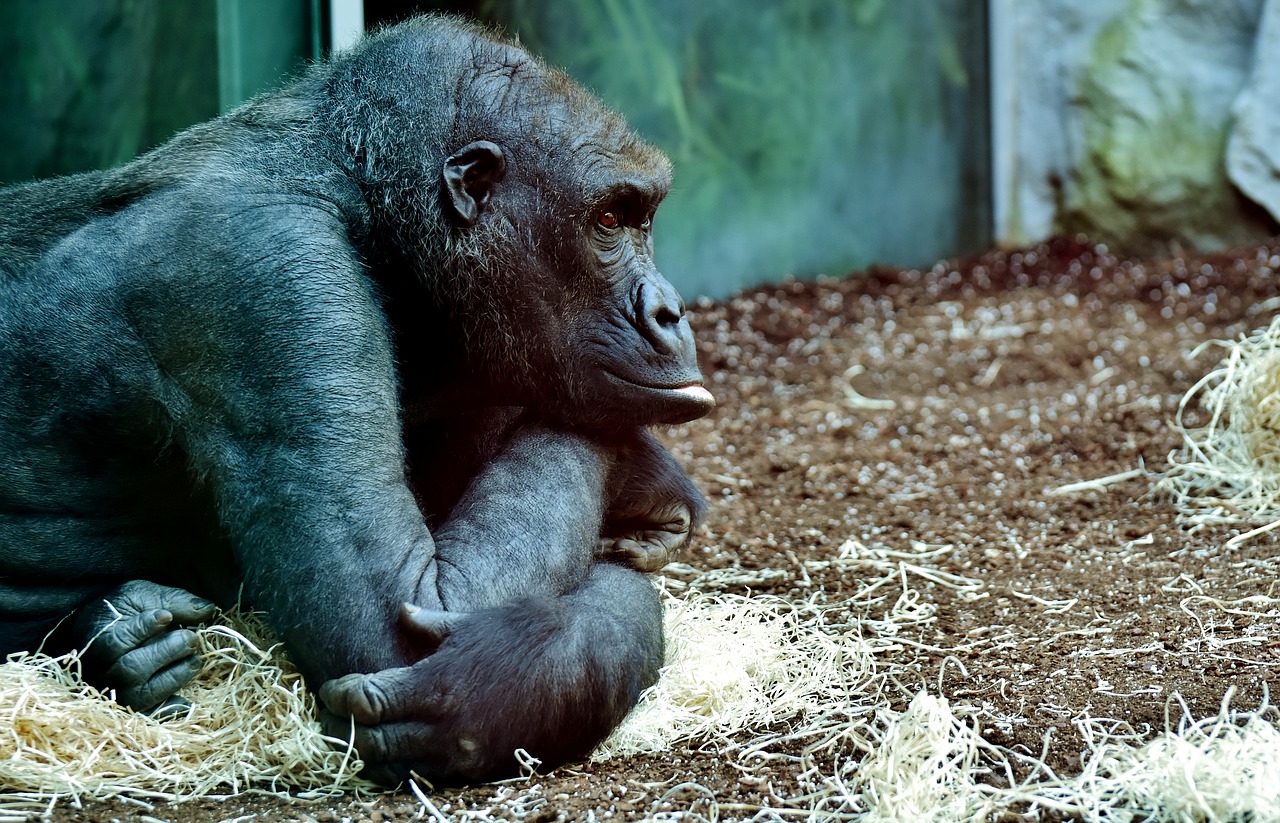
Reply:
x=414, y=287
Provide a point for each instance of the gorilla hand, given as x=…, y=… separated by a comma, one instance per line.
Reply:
x=136, y=645
x=649, y=540
x=550, y=675
x=654, y=506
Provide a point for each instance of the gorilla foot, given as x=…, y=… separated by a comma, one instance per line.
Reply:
x=134, y=643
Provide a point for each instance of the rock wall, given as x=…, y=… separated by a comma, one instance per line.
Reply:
x=1121, y=118
x=1253, y=151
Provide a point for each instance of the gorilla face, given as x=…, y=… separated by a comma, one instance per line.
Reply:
x=637, y=346
x=579, y=324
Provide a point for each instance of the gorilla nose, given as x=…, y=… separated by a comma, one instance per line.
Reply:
x=660, y=310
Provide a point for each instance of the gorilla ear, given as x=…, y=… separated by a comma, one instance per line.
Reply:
x=469, y=178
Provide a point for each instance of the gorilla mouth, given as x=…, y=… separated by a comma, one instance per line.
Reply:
x=685, y=393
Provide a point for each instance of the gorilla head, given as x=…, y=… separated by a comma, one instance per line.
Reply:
x=527, y=208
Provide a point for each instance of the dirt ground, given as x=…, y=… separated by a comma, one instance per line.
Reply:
x=946, y=406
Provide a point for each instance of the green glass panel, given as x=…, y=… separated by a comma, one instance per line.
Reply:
x=93, y=84
x=90, y=85
x=809, y=136
x=261, y=43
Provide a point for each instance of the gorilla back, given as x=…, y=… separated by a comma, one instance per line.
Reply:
x=210, y=357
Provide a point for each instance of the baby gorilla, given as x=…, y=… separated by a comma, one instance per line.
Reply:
x=391, y=335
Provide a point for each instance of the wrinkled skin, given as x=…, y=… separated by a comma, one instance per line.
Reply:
x=376, y=354
x=137, y=643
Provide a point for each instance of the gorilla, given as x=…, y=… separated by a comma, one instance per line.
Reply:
x=375, y=354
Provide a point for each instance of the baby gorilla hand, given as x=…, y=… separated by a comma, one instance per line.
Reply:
x=136, y=645
x=552, y=676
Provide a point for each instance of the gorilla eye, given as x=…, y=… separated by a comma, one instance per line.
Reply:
x=609, y=220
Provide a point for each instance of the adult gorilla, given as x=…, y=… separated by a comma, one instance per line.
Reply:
x=221, y=364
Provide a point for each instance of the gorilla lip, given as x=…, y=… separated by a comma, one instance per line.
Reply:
x=690, y=391
x=695, y=391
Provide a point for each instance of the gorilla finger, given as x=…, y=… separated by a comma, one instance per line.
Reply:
x=338, y=726
x=630, y=553
x=136, y=667
x=128, y=633
x=670, y=541
x=159, y=689
x=382, y=697
x=432, y=625
x=388, y=743
x=673, y=517
x=356, y=696
x=138, y=596
x=340, y=731
x=189, y=609
x=142, y=595
x=646, y=551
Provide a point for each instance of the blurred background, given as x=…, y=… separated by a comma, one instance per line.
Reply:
x=810, y=137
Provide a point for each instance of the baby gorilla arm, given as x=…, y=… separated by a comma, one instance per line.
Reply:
x=654, y=507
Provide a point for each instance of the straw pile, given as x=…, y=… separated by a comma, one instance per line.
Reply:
x=736, y=663
x=733, y=662
x=860, y=759
x=929, y=764
x=1228, y=470
x=1221, y=768
x=772, y=682
x=251, y=728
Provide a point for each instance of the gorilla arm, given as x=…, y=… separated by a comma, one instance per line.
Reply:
x=654, y=507
x=541, y=649
x=276, y=370
x=550, y=674
x=531, y=520
x=527, y=524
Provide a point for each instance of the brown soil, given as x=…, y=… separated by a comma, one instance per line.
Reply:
x=1010, y=375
